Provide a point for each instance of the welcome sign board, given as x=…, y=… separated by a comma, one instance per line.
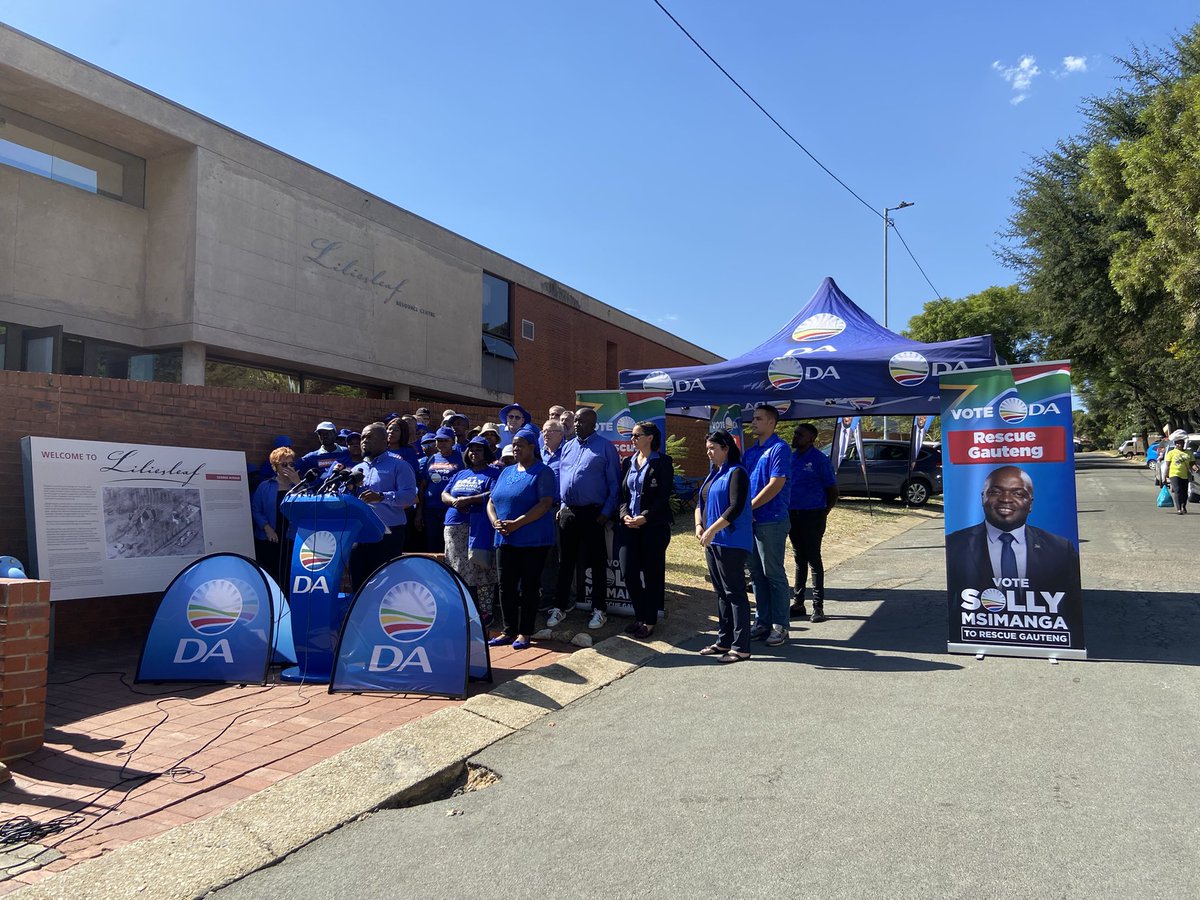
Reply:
x=106, y=519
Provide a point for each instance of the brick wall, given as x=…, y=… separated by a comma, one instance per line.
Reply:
x=24, y=652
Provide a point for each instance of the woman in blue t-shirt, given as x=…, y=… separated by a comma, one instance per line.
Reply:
x=725, y=528
x=469, y=535
x=518, y=510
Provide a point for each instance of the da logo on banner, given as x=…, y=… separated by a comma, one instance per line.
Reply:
x=410, y=629
x=214, y=623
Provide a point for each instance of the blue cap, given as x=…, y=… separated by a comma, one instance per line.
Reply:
x=446, y=434
x=428, y=438
x=282, y=440
x=527, y=433
x=479, y=442
x=390, y=416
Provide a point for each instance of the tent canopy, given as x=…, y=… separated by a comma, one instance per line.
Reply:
x=831, y=359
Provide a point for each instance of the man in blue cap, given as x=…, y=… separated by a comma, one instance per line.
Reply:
x=327, y=455
x=437, y=471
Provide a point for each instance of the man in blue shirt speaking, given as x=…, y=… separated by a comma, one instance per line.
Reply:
x=390, y=487
x=769, y=462
x=588, y=478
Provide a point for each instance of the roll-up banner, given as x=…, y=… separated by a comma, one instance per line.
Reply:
x=1012, y=539
x=616, y=414
x=729, y=418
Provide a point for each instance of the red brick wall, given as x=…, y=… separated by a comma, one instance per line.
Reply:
x=24, y=652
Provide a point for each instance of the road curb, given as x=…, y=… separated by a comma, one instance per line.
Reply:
x=405, y=766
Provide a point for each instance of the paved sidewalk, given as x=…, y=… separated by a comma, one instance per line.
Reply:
x=109, y=744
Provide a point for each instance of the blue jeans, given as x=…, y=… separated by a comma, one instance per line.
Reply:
x=766, y=571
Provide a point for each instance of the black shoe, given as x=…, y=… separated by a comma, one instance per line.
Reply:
x=818, y=613
x=797, y=611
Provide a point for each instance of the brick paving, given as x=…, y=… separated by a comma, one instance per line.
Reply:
x=132, y=761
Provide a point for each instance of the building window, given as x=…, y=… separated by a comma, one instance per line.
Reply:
x=527, y=329
x=35, y=146
x=496, y=307
x=224, y=373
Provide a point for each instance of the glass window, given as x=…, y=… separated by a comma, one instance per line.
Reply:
x=496, y=306
x=341, y=389
x=238, y=375
x=35, y=146
x=39, y=354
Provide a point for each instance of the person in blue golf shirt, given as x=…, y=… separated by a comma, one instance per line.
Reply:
x=436, y=473
x=519, y=510
x=813, y=493
x=769, y=461
x=725, y=528
x=390, y=487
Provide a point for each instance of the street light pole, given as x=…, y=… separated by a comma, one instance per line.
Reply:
x=887, y=223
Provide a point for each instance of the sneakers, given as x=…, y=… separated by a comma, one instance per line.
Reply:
x=776, y=637
x=758, y=632
x=555, y=618
x=598, y=620
x=818, y=613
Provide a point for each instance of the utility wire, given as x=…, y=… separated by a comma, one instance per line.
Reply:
x=936, y=292
x=792, y=138
x=761, y=109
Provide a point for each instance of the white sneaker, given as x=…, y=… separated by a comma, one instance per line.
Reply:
x=555, y=617
x=599, y=617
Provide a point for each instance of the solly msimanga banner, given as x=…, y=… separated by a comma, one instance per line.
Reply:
x=1012, y=539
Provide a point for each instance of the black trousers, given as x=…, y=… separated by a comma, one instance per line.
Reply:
x=808, y=528
x=520, y=571
x=643, y=557
x=727, y=569
x=366, y=558
x=1179, y=487
x=581, y=545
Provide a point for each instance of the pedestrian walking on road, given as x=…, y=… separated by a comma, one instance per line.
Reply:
x=724, y=527
x=1180, y=465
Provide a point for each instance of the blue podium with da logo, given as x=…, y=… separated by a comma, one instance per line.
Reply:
x=327, y=526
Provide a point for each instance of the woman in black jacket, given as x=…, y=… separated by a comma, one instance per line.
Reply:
x=647, y=482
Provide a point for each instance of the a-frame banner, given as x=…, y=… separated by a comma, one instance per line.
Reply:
x=215, y=623
x=1012, y=536
x=412, y=628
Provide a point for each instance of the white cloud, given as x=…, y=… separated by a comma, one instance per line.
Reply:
x=1074, y=63
x=1019, y=76
x=670, y=317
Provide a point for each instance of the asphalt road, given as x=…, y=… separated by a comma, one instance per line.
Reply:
x=860, y=761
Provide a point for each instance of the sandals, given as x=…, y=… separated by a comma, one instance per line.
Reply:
x=733, y=656
x=715, y=650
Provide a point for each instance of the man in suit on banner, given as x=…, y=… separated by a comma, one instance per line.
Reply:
x=1004, y=546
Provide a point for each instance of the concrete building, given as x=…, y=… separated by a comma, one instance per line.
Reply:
x=140, y=240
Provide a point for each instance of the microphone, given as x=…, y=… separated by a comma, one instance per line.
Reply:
x=306, y=482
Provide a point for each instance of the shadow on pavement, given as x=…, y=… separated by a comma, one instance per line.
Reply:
x=1130, y=626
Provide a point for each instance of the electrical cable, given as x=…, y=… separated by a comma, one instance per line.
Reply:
x=793, y=139
x=763, y=110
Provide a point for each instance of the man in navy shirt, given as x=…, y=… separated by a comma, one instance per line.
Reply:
x=588, y=480
x=327, y=455
x=813, y=493
x=769, y=462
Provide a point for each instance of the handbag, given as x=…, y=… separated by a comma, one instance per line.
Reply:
x=1164, y=498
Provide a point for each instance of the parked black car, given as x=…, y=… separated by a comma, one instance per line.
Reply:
x=888, y=475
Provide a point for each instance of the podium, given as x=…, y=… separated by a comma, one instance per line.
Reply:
x=327, y=526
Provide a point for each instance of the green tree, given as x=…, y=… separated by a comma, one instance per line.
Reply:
x=1006, y=313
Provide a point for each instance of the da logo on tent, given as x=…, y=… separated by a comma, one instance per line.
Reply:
x=908, y=368
x=407, y=611
x=785, y=373
x=1013, y=410
x=318, y=550
x=819, y=327
x=657, y=381
x=214, y=606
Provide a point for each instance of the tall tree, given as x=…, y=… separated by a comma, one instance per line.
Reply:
x=1003, y=312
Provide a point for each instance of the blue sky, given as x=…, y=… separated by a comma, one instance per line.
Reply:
x=591, y=141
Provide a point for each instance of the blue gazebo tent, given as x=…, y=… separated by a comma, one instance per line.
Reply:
x=831, y=359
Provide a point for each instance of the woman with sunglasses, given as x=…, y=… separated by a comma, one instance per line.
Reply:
x=724, y=527
x=647, y=479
